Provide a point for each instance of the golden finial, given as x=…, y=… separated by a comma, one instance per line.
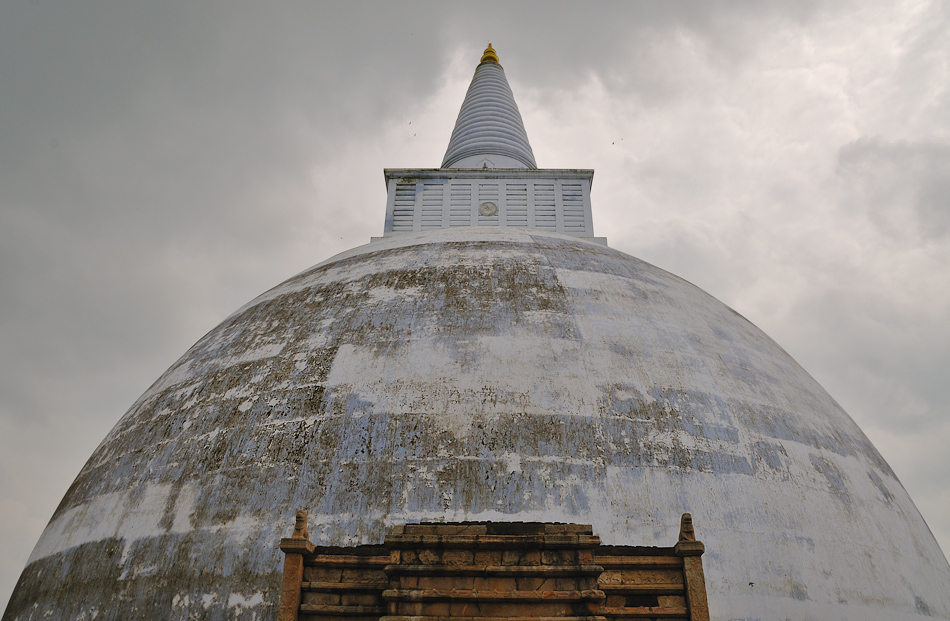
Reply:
x=489, y=54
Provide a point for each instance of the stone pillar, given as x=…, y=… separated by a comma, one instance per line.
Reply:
x=691, y=551
x=294, y=549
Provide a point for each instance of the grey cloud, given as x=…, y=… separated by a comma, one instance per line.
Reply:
x=634, y=47
x=161, y=164
x=870, y=348
x=886, y=176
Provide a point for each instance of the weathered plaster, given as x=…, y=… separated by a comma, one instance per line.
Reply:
x=484, y=374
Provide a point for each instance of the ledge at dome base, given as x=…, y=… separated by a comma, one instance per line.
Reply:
x=600, y=241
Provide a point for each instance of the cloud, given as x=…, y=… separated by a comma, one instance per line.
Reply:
x=162, y=164
x=903, y=186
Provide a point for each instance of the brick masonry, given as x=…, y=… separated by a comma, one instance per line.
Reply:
x=492, y=570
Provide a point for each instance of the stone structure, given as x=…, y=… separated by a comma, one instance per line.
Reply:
x=492, y=571
x=488, y=176
x=484, y=373
x=548, y=200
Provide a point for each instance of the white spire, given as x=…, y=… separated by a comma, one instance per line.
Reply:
x=489, y=131
x=488, y=176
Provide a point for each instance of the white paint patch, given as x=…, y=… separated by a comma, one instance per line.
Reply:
x=594, y=282
x=176, y=375
x=240, y=392
x=265, y=351
x=388, y=294
x=184, y=507
x=180, y=601
x=211, y=435
x=239, y=529
x=129, y=515
x=237, y=600
x=513, y=464
x=316, y=341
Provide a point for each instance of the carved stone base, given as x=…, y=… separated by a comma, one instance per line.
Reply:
x=493, y=571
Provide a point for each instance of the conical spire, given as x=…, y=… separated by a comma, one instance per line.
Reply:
x=489, y=130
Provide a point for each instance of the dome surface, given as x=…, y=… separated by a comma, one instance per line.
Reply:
x=484, y=374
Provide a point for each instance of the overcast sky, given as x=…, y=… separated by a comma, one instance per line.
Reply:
x=162, y=163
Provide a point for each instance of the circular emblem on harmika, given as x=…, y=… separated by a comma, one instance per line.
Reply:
x=488, y=209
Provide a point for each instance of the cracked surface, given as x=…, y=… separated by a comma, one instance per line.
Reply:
x=484, y=374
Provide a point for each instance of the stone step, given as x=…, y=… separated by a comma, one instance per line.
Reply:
x=631, y=562
x=329, y=587
x=414, y=595
x=346, y=560
x=342, y=611
x=643, y=589
x=433, y=618
x=492, y=528
x=565, y=541
x=526, y=571
x=646, y=613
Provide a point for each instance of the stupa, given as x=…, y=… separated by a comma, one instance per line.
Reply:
x=486, y=359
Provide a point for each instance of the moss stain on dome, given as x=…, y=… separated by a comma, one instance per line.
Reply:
x=486, y=375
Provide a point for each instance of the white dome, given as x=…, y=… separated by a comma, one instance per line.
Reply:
x=485, y=374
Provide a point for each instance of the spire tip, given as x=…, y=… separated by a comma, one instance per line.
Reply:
x=489, y=54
